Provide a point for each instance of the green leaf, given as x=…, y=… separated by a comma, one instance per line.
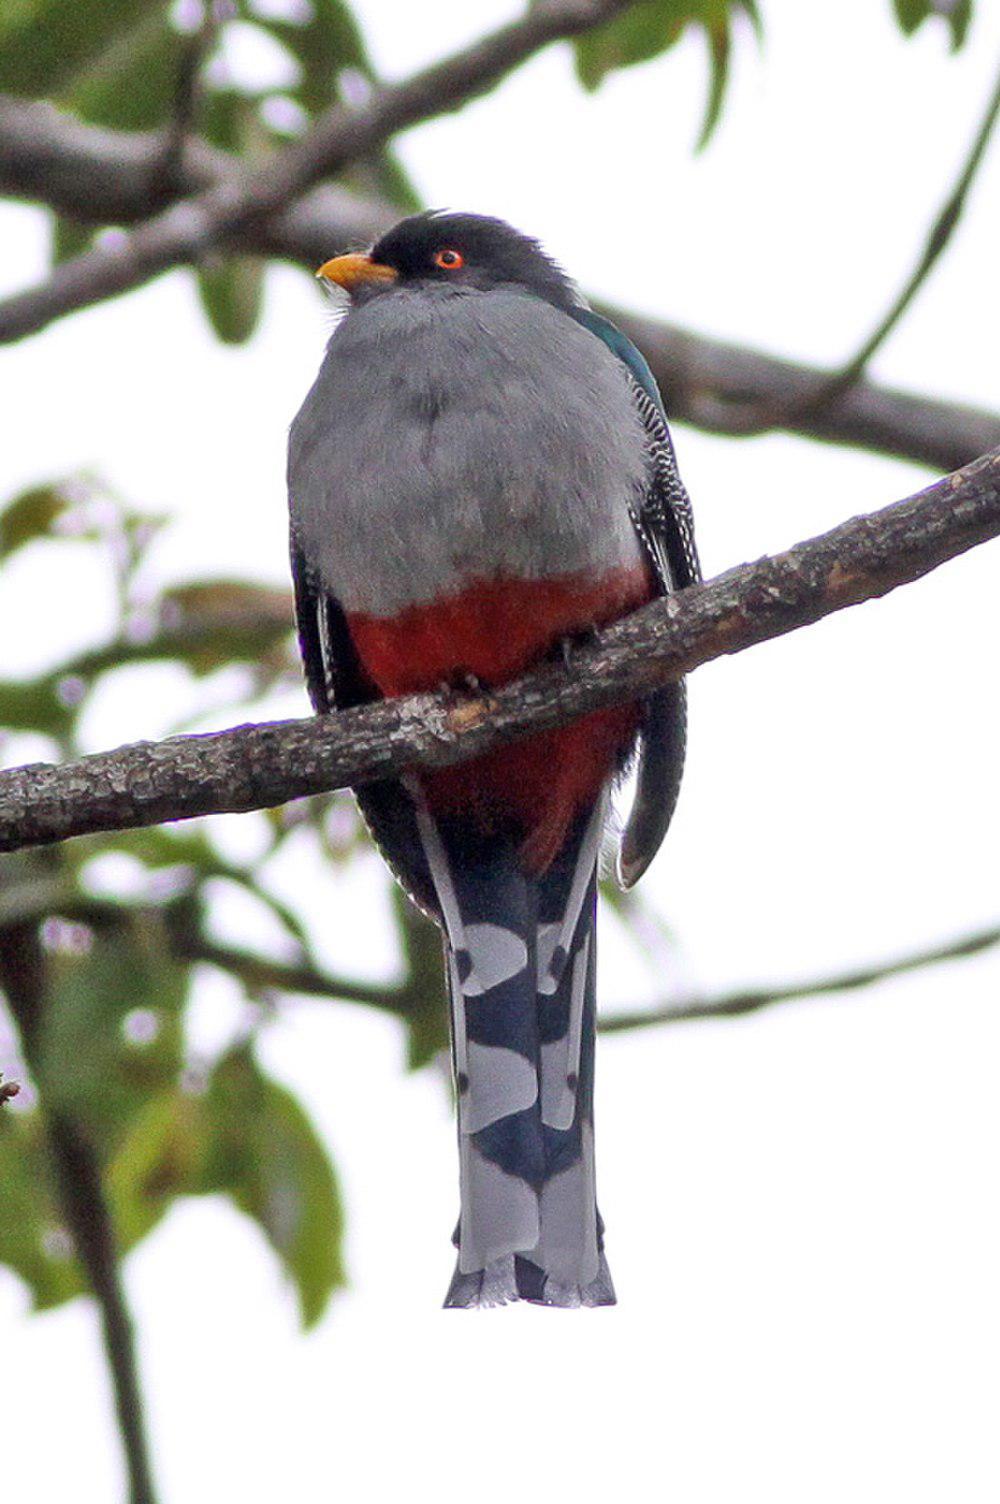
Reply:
x=264, y=1153
x=231, y=289
x=643, y=32
x=247, y=1138
x=326, y=46
x=33, y=883
x=647, y=30
x=160, y=1158
x=960, y=19
x=218, y=622
x=69, y=238
x=34, y=705
x=111, y=1032
x=33, y=1241
x=718, y=47
x=912, y=13
x=46, y=44
x=29, y=516
x=424, y=990
x=133, y=85
x=232, y=295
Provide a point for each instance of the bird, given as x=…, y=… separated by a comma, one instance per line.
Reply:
x=480, y=476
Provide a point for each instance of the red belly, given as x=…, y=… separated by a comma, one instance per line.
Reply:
x=495, y=630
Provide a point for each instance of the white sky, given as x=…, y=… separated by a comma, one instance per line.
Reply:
x=801, y=1206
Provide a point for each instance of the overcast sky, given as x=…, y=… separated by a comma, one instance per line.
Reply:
x=801, y=1206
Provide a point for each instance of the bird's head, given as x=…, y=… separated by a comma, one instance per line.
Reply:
x=471, y=252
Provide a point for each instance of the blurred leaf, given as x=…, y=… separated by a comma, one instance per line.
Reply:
x=231, y=289
x=69, y=238
x=323, y=45
x=718, y=47
x=111, y=1031
x=248, y=1138
x=206, y=626
x=910, y=13
x=46, y=44
x=30, y=515
x=228, y=599
x=643, y=32
x=34, y=705
x=957, y=15
x=649, y=29
x=217, y=622
x=232, y=294
x=33, y=883
x=423, y=1003
x=329, y=46
x=33, y=1241
x=160, y=1158
x=265, y=1154
x=133, y=85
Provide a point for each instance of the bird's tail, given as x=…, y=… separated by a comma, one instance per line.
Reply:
x=521, y=964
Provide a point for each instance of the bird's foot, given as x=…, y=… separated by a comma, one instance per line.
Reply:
x=462, y=685
x=570, y=644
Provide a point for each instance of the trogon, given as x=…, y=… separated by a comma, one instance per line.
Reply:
x=480, y=475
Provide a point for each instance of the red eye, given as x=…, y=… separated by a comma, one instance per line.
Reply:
x=449, y=260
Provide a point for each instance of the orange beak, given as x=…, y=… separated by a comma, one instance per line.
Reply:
x=353, y=271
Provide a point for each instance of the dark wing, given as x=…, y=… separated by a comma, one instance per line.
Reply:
x=665, y=522
x=335, y=680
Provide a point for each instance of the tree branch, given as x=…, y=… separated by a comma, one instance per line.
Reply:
x=751, y=1000
x=706, y=382
x=186, y=231
x=105, y=177
x=253, y=767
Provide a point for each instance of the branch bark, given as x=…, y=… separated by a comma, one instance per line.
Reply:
x=708, y=383
x=253, y=767
x=105, y=177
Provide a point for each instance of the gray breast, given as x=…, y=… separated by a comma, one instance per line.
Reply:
x=451, y=437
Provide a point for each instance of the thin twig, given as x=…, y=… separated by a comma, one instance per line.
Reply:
x=105, y=177
x=282, y=976
x=187, y=100
x=84, y=1206
x=255, y=767
x=310, y=981
x=751, y=420
x=188, y=230
x=751, y=1000
x=88, y=1217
